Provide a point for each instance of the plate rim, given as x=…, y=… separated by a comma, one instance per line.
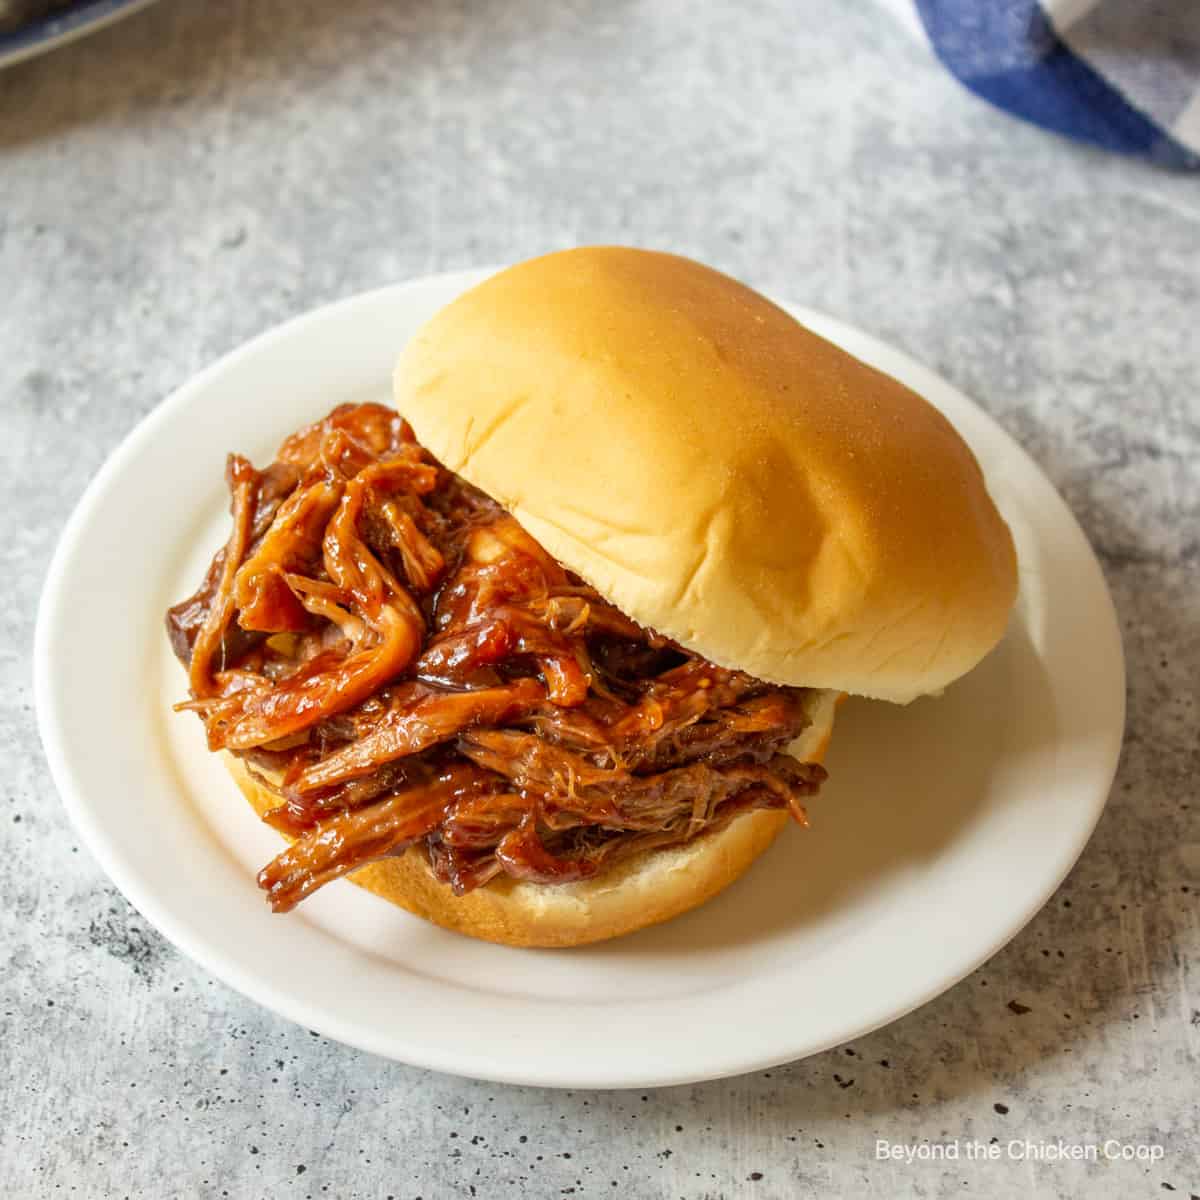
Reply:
x=50, y=32
x=294, y=1007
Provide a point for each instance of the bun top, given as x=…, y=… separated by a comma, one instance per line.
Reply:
x=717, y=471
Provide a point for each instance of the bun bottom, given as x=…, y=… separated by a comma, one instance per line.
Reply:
x=644, y=890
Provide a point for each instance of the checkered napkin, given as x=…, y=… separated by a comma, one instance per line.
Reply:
x=1122, y=74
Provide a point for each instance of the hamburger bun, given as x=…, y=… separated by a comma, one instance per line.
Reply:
x=717, y=471
x=643, y=890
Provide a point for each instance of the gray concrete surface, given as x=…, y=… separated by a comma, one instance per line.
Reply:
x=191, y=176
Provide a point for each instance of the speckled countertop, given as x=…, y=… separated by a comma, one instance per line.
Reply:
x=189, y=177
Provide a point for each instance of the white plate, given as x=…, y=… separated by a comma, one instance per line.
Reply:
x=944, y=827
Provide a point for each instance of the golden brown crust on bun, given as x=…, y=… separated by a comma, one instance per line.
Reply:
x=717, y=471
x=641, y=891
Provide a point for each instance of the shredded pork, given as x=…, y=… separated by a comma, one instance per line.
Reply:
x=402, y=665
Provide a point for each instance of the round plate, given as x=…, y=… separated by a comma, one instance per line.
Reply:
x=944, y=827
x=45, y=33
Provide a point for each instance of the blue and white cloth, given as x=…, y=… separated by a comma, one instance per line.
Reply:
x=1122, y=74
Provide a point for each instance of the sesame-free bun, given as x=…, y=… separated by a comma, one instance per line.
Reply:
x=644, y=890
x=717, y=471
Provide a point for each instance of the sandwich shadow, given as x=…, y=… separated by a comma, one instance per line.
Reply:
x=904, y=783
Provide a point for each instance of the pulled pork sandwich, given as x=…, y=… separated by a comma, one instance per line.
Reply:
x=554, y=655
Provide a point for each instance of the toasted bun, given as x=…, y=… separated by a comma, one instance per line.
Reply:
x=643, y=891
x=717, y=471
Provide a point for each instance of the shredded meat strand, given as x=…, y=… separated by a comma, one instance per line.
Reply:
x=406, y=668
x=418, y=722
x=243, y=482
x=355, y=836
